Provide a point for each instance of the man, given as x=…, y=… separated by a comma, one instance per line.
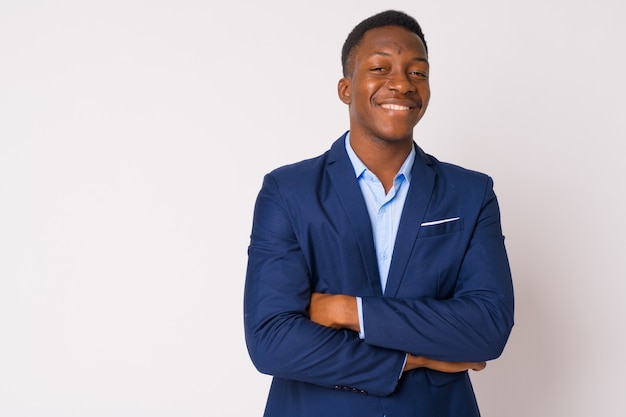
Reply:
x=377, y=275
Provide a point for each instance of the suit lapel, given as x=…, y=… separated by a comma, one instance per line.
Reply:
x=342, y=176
x=415, y=206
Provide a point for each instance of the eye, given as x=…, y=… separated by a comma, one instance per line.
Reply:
x=419, y=74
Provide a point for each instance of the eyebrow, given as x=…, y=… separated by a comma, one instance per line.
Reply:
x=418, y=58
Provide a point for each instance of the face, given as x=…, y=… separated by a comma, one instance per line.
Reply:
x=388, y=91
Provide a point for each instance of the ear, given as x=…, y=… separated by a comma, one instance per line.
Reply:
x=343, y=90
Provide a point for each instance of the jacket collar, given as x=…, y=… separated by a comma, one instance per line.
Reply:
x=344, y=181
x=342, y=176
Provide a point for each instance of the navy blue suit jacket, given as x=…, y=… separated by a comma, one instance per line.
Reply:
x=449, y=293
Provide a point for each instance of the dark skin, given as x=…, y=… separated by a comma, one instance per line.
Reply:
x=387, y=92
x=339, y=311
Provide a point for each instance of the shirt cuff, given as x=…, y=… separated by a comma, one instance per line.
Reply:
x=359, y=307
x=403, y=364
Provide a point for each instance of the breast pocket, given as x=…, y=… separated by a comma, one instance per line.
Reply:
x=441, y=227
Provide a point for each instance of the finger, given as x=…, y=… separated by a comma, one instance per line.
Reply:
x=479, y=366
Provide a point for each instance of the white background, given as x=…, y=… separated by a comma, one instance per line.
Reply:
x=133, y=139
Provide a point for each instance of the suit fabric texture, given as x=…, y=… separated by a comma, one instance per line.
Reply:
x=449, y=293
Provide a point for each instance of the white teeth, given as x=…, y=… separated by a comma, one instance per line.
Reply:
x=394, y=107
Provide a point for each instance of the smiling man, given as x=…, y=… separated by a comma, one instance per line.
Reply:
x=377, y=275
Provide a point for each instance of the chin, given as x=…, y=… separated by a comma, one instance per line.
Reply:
x=397, y=136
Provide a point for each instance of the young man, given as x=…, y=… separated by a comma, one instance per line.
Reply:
x=377, y=275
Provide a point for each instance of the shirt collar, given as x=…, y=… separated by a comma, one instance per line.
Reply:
x=360, y=168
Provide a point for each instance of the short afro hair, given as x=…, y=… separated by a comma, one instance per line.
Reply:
x=386, y=18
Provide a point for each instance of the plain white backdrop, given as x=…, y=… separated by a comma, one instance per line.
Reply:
x=133, y=139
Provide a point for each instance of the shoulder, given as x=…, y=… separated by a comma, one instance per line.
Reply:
x=456, y=175
x=309, y=171
x=297, y=180
x=299, y=169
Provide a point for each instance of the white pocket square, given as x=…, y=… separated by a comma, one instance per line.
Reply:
x=451, y=219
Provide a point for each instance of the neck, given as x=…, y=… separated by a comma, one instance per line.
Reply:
x=383, y=158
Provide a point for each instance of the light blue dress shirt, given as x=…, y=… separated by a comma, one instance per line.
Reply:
x=384, y=211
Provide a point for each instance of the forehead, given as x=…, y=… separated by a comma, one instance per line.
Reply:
x=392, y=40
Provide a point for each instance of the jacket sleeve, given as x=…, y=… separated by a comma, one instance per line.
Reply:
x=281, y=339
x=474, y=323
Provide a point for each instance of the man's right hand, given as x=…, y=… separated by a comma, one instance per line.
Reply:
x=414, y=362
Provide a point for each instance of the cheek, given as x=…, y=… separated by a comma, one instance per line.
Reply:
x=360, y=98
x=366, y=96
x=425, y=93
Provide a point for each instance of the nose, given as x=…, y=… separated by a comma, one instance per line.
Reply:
x=400, y=82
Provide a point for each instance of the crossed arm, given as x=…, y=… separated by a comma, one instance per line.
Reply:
x=339, y=311
x=311, y=337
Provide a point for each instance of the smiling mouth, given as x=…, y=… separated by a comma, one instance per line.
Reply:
x=395, y=107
